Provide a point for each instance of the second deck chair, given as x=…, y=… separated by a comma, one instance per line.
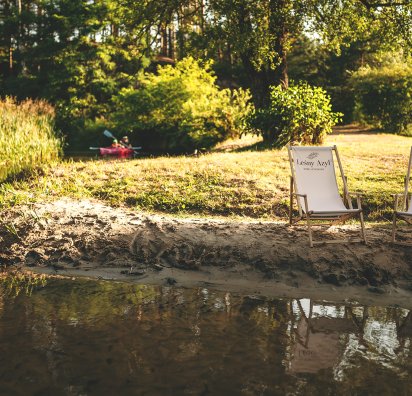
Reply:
x=316, y=190
x=405, y=212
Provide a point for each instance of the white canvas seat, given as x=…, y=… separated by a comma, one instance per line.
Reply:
x=405, y=211
x=316, y=189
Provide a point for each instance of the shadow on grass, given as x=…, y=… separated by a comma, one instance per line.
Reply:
x=355, y=129
x=237, y=148
x=260, y=146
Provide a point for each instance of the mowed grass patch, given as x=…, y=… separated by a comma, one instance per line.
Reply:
x=252, y=184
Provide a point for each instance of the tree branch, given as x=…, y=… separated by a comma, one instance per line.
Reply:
x=370, y=5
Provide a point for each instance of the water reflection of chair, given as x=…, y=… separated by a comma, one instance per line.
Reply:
x=318, y=338
x=403, y=327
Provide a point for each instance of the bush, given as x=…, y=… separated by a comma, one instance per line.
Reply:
x=27, y=137
x=180, y=109
x=299, y=114
x=384, y=97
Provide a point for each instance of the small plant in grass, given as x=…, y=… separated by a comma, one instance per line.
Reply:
x=299, y=114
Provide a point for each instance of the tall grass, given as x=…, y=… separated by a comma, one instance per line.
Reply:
x=27, y=136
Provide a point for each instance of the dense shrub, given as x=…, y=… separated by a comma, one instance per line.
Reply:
x=299, y=114
x=384, y=97
x=27, y=136
x=180, y=108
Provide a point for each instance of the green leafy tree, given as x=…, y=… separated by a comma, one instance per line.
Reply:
x=260, y=34
x=299, y=114
x=78, y=53
x=181, y=108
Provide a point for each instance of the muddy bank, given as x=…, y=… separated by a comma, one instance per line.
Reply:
x=69, y=235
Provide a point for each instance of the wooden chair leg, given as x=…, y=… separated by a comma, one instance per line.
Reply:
x=394, y=228
x=363, y=235
x=308, y=221
x=309, y=231
x=291, y=202
x=362, y=227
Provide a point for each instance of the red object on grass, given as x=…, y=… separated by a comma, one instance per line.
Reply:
x=120, y=152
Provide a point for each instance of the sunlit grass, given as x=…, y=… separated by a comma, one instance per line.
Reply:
x=252, y=184
x=27, y=138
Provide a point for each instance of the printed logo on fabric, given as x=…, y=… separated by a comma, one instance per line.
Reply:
x=312, y=162
x=312, y=155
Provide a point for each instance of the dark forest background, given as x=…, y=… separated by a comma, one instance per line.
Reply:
x=88, y=57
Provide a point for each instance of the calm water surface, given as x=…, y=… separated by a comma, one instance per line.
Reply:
x=104, y=338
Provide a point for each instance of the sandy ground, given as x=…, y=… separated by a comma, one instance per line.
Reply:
x=88, y=238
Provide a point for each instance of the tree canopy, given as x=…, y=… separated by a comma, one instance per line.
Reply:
x=79, y=53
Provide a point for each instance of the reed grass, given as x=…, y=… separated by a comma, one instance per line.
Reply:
x=27, y=137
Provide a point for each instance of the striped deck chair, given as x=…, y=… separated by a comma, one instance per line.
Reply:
x=314, y=186
x=405, y=211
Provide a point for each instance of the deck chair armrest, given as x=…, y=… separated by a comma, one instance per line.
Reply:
x=358, y=197
x=396, y=200
x=305, y=199
x=402, y=194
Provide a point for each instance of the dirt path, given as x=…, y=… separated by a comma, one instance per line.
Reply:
x=89, y=238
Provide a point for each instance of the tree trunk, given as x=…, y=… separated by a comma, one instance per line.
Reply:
x=278, y=26
x=281, y=73
x=261, y=80
x=164, y=49
x=171, y=40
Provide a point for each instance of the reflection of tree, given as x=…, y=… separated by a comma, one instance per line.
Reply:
x=381, y=342
x=114, y=338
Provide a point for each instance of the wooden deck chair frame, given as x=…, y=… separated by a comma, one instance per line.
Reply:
x=335, y=217
x=405, y=213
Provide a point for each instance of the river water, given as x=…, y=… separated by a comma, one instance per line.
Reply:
x=80, y=337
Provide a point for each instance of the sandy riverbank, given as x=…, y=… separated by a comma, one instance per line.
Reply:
x=93, y=239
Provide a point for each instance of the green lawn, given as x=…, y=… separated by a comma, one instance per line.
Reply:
x=242, y=183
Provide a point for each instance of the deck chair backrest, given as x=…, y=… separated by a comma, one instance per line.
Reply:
x=407, y=189
x=314, y=175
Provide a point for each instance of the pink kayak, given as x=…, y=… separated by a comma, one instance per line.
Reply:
x=121, y=152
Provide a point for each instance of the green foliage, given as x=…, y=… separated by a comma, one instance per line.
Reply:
x=78, y=54
x=27, y=136
x=384, y=96
x=312, y=61
x=299, y=114
x=181, y=108
x=74, y=53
